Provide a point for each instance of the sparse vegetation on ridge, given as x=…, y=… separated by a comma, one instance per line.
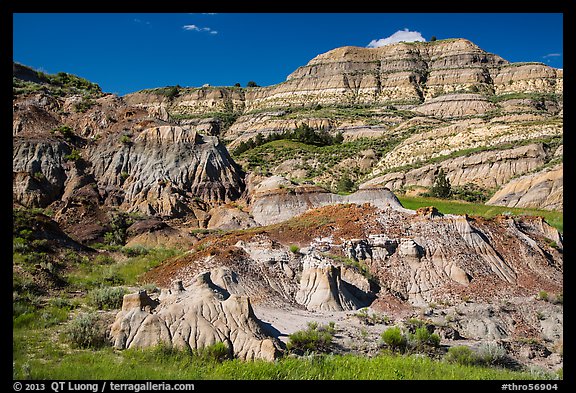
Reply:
x=59, y=84
x=553, y=218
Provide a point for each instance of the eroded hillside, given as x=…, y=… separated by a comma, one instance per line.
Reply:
x=242, y=181
x=400, y=108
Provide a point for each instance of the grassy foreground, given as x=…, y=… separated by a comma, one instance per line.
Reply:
x=446, y=206
x=161, y=363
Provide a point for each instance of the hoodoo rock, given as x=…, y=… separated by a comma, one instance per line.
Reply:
x=195, y=317
x=321, y=287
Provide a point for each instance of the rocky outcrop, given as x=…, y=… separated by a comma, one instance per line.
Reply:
x=477, y=278
x=276, y=199
x=471, y=99
x=193, y=318
x=489, y=169
x=39, y=171
x=321, y=286
x=543, y=189
x=69, y=152
x=456, y=105
x=404, y=72
x=166, y=169
x=440, y=142
x=417, y=258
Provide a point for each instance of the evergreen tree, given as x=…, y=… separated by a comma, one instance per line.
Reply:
x=441, y=187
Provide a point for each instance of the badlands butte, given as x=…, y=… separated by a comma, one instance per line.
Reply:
x=269, y=239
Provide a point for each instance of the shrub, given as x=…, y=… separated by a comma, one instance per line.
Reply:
x=83, y=105
x=371, y=319
x=39, y=176
x=422, y=337
x=119, y=223
x=73, y=156
x=216, y=352
x=462, y=355
x=125, y=139
x=251, y=84
x=294, y=249
x=491, y=354
x=20, y=245
x=315, y=338
x=394, y=338
x=558, y=299
x=135, y=251
x=543, y=295
x=106, y=298
x=471, y=193
x=86, y=331
x=345, y=184
x=65, y=131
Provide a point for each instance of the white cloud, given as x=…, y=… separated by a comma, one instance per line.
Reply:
x=552, y=55
x=197, y=28
x=141, y=21
x=401, y=35
x=191, y=27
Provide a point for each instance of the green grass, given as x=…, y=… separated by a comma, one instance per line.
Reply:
x=163, y=363
x=554, y=218
x=90, y=275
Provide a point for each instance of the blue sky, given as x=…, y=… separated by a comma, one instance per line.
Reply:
x=127, y=52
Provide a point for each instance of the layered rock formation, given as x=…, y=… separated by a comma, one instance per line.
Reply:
x=543, y=189
x=402, y=72
x=418, y=257
x=438, y=99
x=488, y=169
x=193, y=318
x=276, y=199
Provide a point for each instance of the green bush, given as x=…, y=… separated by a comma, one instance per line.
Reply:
x=462, y=355
x=394, y=338
x=86, y=331
x=135, y=251
x=345, y=184
x=543, y=295
x=73, y=156
x=106, y=298
x=104, y=260
x=423, y=337
x=65, y=131
x=84, y=105
x=315, y=338
x=216, y=352
x=20, y=245
x=294, y=249
x=470, y=192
